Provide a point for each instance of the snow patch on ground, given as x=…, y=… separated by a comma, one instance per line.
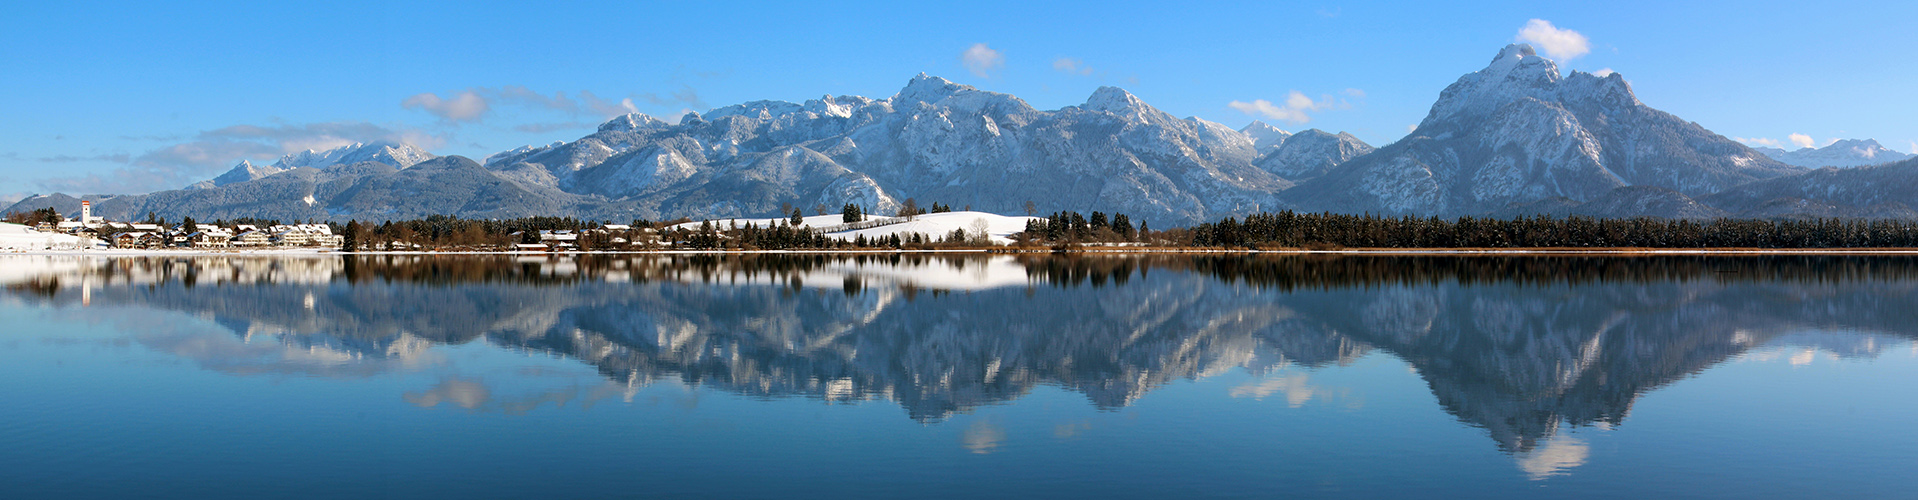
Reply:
x=938, y=225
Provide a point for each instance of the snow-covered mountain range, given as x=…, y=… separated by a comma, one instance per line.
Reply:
x=1514, y=138
x=1844, y=153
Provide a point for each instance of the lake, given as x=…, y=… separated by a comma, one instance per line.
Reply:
x=949, y=376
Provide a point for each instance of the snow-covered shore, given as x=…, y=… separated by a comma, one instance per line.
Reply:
x=934, y=225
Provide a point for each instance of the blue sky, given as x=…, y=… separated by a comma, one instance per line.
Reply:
x=132, y=97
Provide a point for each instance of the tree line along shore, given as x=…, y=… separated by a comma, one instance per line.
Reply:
x=1059, y=231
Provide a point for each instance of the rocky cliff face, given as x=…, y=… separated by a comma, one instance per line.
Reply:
x=1517, y=132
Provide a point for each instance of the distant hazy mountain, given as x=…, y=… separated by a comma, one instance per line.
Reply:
x=1517, y=132
x=1845, y=153
x=397, y=155
x=1878, y=191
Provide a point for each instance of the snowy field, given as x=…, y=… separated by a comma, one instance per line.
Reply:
x=15, y=237
x=1000, y=227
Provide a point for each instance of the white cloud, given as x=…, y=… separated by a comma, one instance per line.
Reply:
x=1914, y=150
x=466, y=106
x=1760, y=141
x=1801, y=140
x=1354, y=93
x=1071, y=66
x=1603, y=72
x=982, y=60
x=1411, y=128
x=1295, y=109
x=1832, y=141
x=1560, y=44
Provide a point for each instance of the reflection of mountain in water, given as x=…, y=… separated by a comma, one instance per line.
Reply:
x=1518, y=346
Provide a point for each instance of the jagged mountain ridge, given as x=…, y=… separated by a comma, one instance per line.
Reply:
x=1511, y=139
x=934, y=141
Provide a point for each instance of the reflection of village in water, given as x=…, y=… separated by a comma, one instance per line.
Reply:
x=1521, y=347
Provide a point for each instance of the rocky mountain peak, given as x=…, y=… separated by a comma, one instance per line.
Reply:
x=927, y=89
x=630, y=122
x=1517, y=73
x=1264, y=136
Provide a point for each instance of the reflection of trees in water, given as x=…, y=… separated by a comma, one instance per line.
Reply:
x=1519, y=346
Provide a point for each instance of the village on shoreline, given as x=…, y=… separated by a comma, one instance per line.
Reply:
x=942, y=229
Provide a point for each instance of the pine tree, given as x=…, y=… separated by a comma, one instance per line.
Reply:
x=351, y=240
x=850, y=214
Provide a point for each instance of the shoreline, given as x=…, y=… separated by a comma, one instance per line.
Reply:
x=1462, y=252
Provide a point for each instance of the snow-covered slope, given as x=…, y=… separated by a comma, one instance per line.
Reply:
x=1844, y=153
x=1311, y=153
x=1518, y=132
x=399, y=155
x=18, y=237
x=938, y=225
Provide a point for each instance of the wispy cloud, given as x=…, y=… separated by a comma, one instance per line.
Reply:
x=1760, y=141
x=541, y=128
x=1071, y=66
x=114, y=158
x=211, y=151
x=982, y=60
x=1603, y=72
x=474, y=104
x=1296, y=108
x=1560, y=44
x=1801, y=140
x=465, y=106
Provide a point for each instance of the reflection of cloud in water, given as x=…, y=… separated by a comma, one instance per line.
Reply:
x=225, y=354
x=465, y=393
x=215, y=348
x=1559, y=454
x=1297, y=389
x=1071, y=429
x=1805, y=348
x=982, y=437
x=473, y=394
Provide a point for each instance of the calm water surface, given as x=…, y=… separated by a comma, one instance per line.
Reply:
x=889, y=376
